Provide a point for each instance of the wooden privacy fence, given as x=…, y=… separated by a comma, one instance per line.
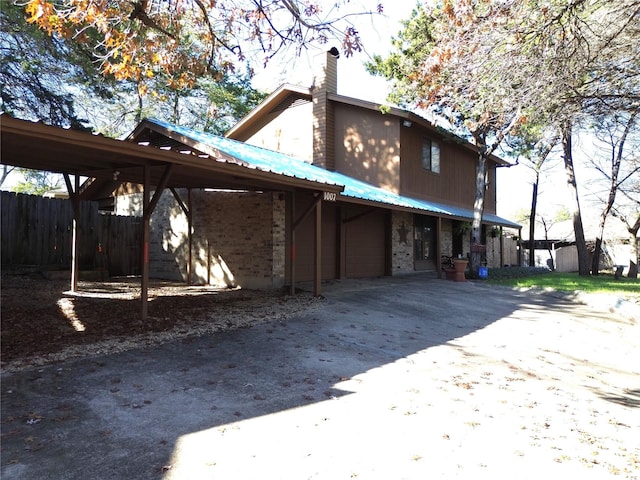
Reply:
x=38, y=231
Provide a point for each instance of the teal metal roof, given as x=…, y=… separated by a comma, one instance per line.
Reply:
x=271, y=161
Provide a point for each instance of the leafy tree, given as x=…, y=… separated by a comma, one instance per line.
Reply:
x=182, y=40
x=562, y=215
x=495, y=65
x=533, y=147
x=587, y=65
x=38, y=72
x=36, y=182
x=437, y=65
x=616, y=168
x=53, y=79
x=211, y=105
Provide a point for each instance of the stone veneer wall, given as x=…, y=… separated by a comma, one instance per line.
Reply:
x=402, y=243
x=446, y=237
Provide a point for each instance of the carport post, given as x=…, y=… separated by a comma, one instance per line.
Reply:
x=292, y=251
x=75, y=202
x=146, y=217
x=439, y=246
x=501, y=248
x=148, y=206
x=318, y=253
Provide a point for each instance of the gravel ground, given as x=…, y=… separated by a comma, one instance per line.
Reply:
x=42, y=322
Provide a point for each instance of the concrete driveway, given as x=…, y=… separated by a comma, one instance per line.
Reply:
x=396, y=378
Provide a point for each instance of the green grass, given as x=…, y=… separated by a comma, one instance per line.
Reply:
x=564, y=282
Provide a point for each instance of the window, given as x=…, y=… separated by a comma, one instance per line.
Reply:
x=430, y=155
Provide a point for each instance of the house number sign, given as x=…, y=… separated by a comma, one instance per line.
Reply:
x=330, y=196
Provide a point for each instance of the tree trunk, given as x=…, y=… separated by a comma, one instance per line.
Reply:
x=478, y=210
x=613, y=190
x=552, y=264
x=532, y=222
x=138, y=117
x=595, y=259
x=581, y=244
x=6, y=170
x=633, y=261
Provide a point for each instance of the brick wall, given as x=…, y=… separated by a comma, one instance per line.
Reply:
x=238, y=238
x=168, y=239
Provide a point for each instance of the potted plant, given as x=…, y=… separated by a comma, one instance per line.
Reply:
x=460, y=265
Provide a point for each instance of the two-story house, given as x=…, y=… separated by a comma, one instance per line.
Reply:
x=406, y=200
x=397, y=151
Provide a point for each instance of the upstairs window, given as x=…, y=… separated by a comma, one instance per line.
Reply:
x=430, y=155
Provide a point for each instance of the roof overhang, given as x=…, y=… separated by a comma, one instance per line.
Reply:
x=42, y=147
x=354, y=191
x=267, y=105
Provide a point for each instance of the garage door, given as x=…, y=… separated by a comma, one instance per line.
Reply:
x=305, y=238
x=365, y=240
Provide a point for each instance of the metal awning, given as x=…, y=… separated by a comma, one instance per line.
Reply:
x=42, y=147
x=268, y=160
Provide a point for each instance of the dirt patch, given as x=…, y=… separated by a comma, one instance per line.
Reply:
x=43, y=322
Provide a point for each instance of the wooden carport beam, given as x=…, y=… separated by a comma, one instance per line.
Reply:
x=148, y=206
x=75, y=203
x=439, y=246
x=307, y=212
x=358, y=216
x=317, y=289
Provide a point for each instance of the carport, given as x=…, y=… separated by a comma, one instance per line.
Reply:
x=108, y=162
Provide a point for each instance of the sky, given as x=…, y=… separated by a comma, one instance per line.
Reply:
x=353, y=80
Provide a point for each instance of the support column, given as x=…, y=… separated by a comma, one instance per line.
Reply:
x=501, y=248
x=317, y=284
x=292, y=236
x=146, y=218
x=439, y=246
x=75, y=203
x=190, y=227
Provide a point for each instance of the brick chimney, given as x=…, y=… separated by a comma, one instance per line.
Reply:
x=325, y=82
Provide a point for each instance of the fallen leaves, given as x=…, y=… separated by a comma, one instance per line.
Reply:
x=38, y=332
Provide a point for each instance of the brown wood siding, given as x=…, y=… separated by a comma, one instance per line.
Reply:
x=455, y=184
x=365, y=243
x=490, y=194
x=367, y=146
x=305, y=237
